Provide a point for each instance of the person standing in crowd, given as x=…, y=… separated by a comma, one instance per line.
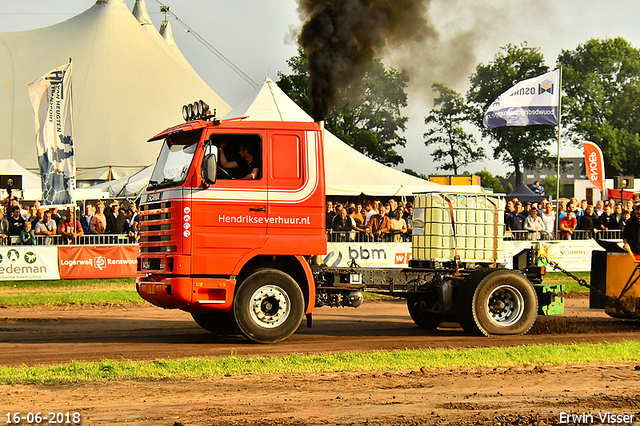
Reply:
x=55, y=215
x=599, y=208
x=87, y=218
x=342, y=225
x=99, y=221
x=27, y=236
x=358, y=214
x=398, y=226
x=33, y=216
x=618, y=220
x=515, y=221
x=393, y=207
x=329, y=215
x=631, y=233
x=133, y=224
x=70, y=228
x=115, y=220
x=408, y=218
x=606, y=221
x=369, y=212
x=567, y=225
x=588, y=221
x=509, y=209
x=4, y=228
x=379, y=225
x=534, y=224
x=16, y=222
x=46, y=227
x=549, y=219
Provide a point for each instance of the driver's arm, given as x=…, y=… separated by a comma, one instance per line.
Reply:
x=224, y=163
x=253, y=175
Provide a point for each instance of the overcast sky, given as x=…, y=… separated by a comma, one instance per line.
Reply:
x=258, y=36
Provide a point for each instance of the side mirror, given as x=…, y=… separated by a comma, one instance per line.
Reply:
x=210, y=164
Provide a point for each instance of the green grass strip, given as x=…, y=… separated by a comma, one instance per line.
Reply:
x=67, y=283
x=93, y=297
x=556, y=354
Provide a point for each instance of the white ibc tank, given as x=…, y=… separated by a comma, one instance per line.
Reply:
x=475, y=233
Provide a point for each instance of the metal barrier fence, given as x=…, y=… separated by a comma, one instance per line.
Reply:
x=84, y=240
x=361, y=237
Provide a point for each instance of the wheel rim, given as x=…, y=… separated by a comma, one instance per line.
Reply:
x=505, y=305
x=269, y=306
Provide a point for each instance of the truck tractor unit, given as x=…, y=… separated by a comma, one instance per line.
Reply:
x=242, y=251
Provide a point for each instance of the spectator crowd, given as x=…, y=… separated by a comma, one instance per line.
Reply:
x=34, y=224
x=574, y=220
x=369, y=221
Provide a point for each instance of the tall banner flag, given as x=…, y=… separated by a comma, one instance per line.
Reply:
x=530, y=102
x=51, y=99
x=594, y=164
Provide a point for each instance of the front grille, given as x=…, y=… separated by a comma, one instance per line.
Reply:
x=155, y=228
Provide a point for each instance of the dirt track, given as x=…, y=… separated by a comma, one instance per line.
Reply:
x=522, y=396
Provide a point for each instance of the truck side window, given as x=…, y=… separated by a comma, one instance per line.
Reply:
x=240, y=156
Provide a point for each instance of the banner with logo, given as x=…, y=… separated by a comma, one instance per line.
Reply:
x=594, y=164
x=28, y=263
x=370, y=255
x=530, y=102
x=98, y=261
x=51, y=99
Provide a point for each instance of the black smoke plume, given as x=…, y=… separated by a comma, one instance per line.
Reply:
x=342, y=37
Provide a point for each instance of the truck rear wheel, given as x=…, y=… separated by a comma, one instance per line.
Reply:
x=216, y=322
x=419, y=314
x=268, y=306
x=498, y=303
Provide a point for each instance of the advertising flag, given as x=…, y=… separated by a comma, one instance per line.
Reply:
x=594, y=164
x=51, y=99
x=530, y=102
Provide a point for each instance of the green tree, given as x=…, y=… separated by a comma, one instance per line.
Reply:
x=369, y=117
x=550, y=183
x=455, y=146
x=520, y=147
x=601, y=79
x=416, y=174
x=490, y=181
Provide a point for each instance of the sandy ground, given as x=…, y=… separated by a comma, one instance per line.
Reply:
x=516, y=396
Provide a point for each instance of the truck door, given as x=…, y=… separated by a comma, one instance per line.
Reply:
x=230, y=217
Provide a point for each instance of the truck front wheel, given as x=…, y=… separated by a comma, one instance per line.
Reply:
x=498, y=303
x=268, y=306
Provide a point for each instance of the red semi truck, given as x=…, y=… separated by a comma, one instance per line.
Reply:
x=241, y=253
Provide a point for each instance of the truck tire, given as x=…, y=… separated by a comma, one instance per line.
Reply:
x=422, y=318
x=268, y=306
x=217, y=322
x=496, y=303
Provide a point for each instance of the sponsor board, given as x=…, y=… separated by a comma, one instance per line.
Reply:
x=369, y=255
x=574, y=256
x=98, y=261
x=28, y=263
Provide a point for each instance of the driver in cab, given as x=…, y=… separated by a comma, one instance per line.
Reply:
x=247, y=166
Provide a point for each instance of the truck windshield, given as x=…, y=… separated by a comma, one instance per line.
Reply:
x=174, y=160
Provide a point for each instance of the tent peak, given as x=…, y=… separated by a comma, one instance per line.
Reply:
x=166, y=33
x=110, y=1
x=140, y=13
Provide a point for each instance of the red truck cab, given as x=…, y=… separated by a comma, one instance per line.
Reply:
x=234, y=251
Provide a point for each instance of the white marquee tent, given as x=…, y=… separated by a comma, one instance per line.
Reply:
x=348, y=172
x=129, y=83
